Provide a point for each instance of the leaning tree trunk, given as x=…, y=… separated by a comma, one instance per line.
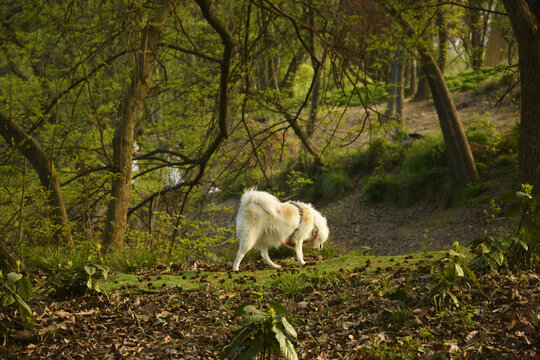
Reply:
x=44, y=167
x=116, y=225
x=457, y=144
x=526, y=25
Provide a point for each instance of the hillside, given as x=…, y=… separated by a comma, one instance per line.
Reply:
x=391, y=229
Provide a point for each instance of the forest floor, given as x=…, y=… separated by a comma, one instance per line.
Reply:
x=350, y=307
x=389, y=229
x=347, y=307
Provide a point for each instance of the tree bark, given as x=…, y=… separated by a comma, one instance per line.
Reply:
x=44, y=167
x=422, y=89
x=457, y=144
x=497, y=47
x=525, y=20
x=443, y=37
x=413, y=79
x=141, y=81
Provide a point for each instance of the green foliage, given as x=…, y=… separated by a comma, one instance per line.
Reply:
x=264, y=332
x=421, y=173
x=69, y=280
x=449, y=273
x=483, y=137
x=468, y=80
x=379, y=154
x=519, y=248
x=14, y=290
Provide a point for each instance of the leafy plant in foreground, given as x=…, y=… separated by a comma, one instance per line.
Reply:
x=15, y=289
x=70, y=280
x=497, y=251
x=448, y=274
x=264, y=332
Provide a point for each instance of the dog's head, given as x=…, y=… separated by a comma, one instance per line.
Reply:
x=320, y=231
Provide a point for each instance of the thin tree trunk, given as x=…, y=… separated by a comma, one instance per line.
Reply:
x=476, y=43
x=44, y=167
x=116, y=225
x=413, y=79
x=443, y=37
x=525, y=21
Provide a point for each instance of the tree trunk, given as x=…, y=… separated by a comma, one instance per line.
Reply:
x=443, y=37
x=457, y=144
x=396, y=93
x=116, y=225
x=413, y=79
x=525, y=20
x=476, y=30
x=44, y=167
x=422, y=90
x=497, y=47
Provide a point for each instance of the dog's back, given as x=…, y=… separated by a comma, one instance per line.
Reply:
x=265, y=201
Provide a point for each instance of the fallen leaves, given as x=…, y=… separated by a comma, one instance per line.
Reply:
x=347, y=315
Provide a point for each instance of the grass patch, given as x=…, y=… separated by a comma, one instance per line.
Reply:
x=291, y=279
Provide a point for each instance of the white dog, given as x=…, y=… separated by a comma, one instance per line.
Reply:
x=264, y=222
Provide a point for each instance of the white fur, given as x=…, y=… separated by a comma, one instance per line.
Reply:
x=264, y=222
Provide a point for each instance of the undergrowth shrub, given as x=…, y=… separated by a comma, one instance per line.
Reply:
x=266, y=330
x=15, y=289
x=519, y=248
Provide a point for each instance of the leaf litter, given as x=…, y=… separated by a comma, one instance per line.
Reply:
x=352, y=314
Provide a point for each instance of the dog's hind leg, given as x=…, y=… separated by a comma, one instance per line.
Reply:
x=264, y=254
x=245, y=243
x=299, y=253
x=239, y=256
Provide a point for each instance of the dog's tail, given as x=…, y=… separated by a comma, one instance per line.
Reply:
x=264, y=200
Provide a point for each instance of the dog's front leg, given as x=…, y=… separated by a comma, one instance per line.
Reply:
x=299, y=253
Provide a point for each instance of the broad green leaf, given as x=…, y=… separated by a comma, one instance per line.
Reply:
x=24, y=288
x=241, y=309
x=507, y=196
x=7, y=300
x=498, y=257
x=288, y=327
x=459, y=270
x=253, y=318
x=254, y=349
x=485, y=249
x=14, y=277
x=90, y=270
x=454, y=253
x=286, y=347
x=26, y=312
x=454, y=298
x=279, y=308
x=521, y=194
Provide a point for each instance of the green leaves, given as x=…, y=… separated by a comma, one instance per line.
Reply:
x=448, y=274
x=14, y=289
x=264, y=332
